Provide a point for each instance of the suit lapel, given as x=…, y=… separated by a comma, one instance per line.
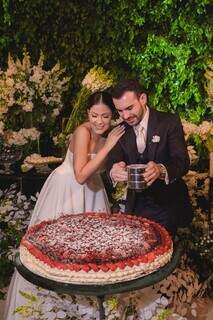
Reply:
x=152, y=130
x=129, y=144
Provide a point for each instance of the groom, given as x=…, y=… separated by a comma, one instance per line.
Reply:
x=156, y=139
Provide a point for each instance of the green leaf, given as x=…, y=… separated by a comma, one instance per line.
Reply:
x=29, y=296
x=25, y=311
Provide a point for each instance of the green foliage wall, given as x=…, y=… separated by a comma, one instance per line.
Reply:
x=166, y=43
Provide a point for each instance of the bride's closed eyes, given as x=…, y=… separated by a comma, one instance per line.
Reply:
x=105, y=115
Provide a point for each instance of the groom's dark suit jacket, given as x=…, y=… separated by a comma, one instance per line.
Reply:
x=171, y=151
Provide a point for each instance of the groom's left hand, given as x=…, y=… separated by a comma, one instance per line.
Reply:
x=152, y=172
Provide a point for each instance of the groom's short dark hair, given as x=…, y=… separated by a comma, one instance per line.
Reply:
x=127, y=85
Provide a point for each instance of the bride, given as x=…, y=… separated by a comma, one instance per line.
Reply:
x=76, y=185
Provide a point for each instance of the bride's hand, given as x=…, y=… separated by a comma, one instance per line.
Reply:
x=114, y=136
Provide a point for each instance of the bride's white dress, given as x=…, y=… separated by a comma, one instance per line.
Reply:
x=62, y=194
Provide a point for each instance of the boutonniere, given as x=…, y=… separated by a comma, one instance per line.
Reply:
x=156, y=139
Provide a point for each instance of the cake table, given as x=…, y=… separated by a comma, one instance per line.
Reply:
x=100, y=291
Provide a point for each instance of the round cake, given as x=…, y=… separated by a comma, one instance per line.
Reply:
x=95, y=248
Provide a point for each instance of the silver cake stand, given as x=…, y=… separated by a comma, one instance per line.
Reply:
x=99, y=291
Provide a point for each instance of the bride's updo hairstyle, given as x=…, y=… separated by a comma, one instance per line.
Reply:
x=101, y=97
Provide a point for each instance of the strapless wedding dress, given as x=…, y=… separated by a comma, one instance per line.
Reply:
x=62, y=193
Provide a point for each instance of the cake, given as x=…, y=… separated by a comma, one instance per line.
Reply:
x=95, y=248
x=36, y=159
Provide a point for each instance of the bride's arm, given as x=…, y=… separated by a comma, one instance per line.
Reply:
x=84, y=167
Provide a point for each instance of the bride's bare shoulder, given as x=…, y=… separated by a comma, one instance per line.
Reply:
x=84, y=127
x=81, y=136
x=84, y=131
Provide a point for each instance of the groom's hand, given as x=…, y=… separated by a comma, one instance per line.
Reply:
x=152, y=172
x=118, y=172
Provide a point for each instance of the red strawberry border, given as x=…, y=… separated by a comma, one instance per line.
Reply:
x=164, y=247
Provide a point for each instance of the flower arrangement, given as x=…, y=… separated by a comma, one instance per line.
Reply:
x=192, y=279
x=96, y=79
x=43, y=304
x=30, y=100
x=202, y=137
x=15, y=212
x=203, y=131
x=180, y=288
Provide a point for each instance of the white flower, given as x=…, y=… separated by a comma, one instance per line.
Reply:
x=55, y=140
x=55, y=112
x=22, y=136
x=155, y=139
x=61, y=314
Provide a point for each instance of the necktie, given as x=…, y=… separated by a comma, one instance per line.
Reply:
x=140, y=138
